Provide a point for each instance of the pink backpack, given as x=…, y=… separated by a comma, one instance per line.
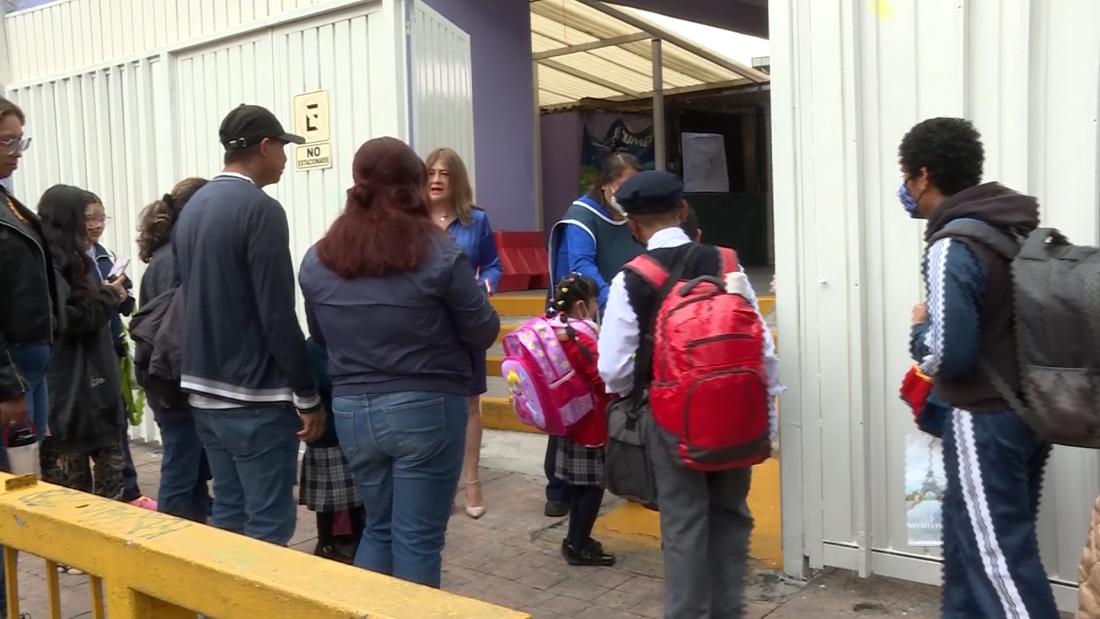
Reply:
x=546, y=391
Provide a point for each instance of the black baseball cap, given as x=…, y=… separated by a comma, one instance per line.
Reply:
x=248, y=125
x=651, y=191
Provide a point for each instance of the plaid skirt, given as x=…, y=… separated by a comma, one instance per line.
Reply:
x=326, y=483
x=578, y=465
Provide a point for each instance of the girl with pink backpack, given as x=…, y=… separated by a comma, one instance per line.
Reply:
x=551, y=369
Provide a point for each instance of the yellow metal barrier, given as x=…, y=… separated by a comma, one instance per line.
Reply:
x=149, y=565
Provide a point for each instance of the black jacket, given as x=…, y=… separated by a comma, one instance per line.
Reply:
x=241, y=338
x=28, y=314
x=83, y=380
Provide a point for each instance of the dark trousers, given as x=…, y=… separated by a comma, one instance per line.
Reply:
x=556, y=489
x=991, y=567
x=130, y=489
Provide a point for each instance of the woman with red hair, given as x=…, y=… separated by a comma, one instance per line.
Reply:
x=397, y=306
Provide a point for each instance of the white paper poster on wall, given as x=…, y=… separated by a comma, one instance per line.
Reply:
x=705, y=163
x=925, y=483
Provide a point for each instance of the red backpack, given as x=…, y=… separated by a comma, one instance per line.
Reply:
x=707, y=354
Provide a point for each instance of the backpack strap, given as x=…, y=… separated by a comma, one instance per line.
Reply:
x=647, y=267
x=730, y=264
x=996, y=239
x=643, y=361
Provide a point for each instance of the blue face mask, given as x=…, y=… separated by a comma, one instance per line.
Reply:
x=908, y=201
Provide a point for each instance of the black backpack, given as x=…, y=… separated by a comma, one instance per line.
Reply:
x=157, y=331
x=1056, y=297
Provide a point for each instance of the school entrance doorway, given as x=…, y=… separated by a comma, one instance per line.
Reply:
x=681, y=96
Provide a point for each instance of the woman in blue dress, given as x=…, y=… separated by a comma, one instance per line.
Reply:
x=453, y=209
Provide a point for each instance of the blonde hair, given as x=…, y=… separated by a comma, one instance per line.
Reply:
x=462, y=195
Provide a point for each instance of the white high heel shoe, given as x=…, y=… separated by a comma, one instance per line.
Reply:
x=473, y=511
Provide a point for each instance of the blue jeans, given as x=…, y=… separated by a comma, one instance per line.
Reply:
x=253, y=454
x=33, y=362
x=184, y=469
x=405, y=452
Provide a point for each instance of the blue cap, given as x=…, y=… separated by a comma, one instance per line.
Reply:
x=652, y=191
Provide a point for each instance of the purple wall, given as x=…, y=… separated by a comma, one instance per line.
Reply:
x=561, y=163
x=561, y=154
x=500, y=49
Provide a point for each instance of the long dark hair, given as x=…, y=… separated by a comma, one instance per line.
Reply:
x=157, y=220
x=386, y=226
x=64, y=226
x=612, y=169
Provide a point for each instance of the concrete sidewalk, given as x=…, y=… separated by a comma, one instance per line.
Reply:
x=512, y=557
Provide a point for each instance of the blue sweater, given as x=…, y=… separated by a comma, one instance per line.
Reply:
x=477, y=241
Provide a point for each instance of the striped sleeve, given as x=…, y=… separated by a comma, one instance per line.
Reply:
x=955, y=280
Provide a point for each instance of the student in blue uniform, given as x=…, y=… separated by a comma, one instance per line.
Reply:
x=453, y=209
x=592, y=239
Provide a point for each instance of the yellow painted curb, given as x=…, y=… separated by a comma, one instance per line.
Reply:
x=497, y=414
x=643, y=526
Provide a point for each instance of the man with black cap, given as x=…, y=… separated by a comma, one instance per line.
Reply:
x=245, y=365
x=705, y=520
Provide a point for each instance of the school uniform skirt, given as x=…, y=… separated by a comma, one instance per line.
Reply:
x=326, y=484
x=578, y=465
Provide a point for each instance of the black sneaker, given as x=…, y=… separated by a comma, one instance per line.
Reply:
x=556, y=509
x=592, y=555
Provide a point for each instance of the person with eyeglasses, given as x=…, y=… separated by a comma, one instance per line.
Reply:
x=96, y=221
x=28, y=317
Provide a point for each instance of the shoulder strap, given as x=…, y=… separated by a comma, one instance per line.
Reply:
x=730, y=264
x=647, y=267
x=643, y=362
x=1002, y=387
x=996, y=239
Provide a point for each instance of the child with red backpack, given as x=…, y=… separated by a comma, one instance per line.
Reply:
x=682, y=326
x=579, y=460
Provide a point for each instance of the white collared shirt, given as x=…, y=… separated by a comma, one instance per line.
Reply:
x=620, y=335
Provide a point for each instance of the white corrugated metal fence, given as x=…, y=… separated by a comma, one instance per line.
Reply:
x=849, y=79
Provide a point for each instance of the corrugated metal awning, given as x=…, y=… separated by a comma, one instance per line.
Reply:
x=587, y=49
